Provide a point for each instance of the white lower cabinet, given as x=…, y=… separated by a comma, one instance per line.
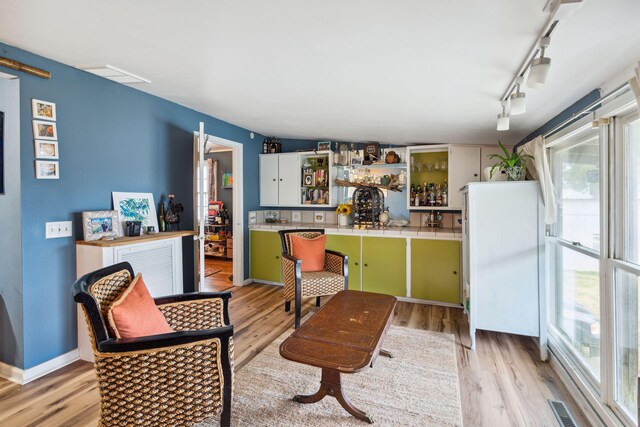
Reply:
x=159, y=261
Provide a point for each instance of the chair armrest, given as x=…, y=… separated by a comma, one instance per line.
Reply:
x=291, y=258
x=336, y=262
x=160, y=342
x=195, y=304
x=192, y=296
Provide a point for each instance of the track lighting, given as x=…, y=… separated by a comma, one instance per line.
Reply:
x=540, y=66
x=518, y=105
x=503, y=118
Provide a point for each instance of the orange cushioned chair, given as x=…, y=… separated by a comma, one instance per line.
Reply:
x=298, y=284
x=171, y=379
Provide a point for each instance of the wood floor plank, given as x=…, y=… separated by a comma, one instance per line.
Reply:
x=502, y=383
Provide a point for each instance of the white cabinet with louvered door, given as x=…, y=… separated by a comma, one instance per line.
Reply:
x=269, y=179
x=464, y=167
x=158, y=258
x=288, y=179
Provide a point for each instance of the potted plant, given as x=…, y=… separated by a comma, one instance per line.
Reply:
x=513, y=163
x=344, y=214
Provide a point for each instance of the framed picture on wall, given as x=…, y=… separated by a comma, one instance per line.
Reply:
x=47, y=169
x=44, y=130
x=227, y=180
x=43, y=110
x=46, y=149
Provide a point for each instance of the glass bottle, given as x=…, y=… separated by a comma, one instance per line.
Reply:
x=445, y=193
x=438, y=195
x=161, y=223
x=432, y=195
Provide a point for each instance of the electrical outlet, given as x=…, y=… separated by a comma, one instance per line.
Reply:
x=59, y=229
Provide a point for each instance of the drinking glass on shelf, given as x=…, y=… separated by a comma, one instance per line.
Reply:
x=419, y=166
x=429, y=166
x=436, y=166
x=443, y=165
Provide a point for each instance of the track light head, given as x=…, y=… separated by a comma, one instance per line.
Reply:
x=539, y=69
x=503, y=118
x=517, y=99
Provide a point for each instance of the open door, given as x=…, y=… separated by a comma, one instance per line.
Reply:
x=204, y=148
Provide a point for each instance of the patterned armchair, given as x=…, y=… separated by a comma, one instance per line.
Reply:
x=298, y=285
x=175, y=379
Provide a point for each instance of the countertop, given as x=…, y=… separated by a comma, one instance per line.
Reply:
x=421, y=232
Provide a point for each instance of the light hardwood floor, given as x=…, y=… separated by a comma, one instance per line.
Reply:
x=218, y=281
x=502, y=383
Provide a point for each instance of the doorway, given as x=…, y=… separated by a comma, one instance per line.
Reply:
x=218, y=207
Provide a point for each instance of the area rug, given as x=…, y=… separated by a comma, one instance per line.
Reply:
x=418, y=387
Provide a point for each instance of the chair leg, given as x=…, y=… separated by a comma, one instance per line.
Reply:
x=227, y=396
x=298, y=309
x=317, y=301
x=287, y=306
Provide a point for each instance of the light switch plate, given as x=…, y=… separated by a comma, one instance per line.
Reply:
x=55, y=230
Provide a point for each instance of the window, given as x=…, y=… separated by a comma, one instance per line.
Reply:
x=575, y=292
x=594, y=260
x=577, y=179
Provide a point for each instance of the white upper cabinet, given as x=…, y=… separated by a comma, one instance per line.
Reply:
x=269, y=179
x=289, y=179
x=464, y=167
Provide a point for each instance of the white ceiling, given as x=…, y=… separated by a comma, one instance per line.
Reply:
x=390, y=71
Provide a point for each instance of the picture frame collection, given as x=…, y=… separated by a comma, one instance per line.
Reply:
x=45, y=139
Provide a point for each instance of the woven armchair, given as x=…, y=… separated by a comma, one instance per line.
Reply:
x=298, y=285
x=175, y=379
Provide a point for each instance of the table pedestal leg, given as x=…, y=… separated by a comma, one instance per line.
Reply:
x=331, y=385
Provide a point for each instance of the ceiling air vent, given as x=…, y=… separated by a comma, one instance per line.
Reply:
x=115, y=74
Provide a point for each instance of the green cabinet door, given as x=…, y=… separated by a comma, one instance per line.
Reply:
x=350, y=246
x=265, y=253
x=435, y=270
x=384, y=265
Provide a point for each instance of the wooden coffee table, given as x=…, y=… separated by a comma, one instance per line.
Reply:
x=343, y=337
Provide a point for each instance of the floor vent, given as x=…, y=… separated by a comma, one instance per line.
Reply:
x=562, y=413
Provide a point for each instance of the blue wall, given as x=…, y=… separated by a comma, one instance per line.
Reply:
x=576, y=107
x=111, y=138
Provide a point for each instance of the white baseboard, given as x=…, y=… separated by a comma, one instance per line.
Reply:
x=22, y=376
x=11, y=373
x=266, y=282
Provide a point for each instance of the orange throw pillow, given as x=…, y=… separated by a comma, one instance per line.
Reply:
x=310, y=251
x=134, y=313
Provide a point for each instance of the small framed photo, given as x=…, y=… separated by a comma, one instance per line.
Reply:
x=44, y=130
x=307, y=179
x=100, y=225
x=324, y=145
x=46, y=149
x=47, y=169
x=357, y=159
x=43, y=110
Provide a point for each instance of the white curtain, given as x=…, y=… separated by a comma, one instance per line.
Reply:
x=635, y=85
x=539, y=170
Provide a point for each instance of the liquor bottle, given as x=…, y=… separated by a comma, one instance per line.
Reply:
x=432, y=195
x=425, y=195
x=445, y=193
x=438, y=195
x=161, y=224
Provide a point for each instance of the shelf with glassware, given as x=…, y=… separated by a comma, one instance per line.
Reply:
x=436, y=172
x=386, y=176
x=317, y=174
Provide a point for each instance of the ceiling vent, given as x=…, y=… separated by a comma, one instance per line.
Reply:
x=115, y=74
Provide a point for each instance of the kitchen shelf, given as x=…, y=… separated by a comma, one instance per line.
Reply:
x=343, y=183
x=377, y=166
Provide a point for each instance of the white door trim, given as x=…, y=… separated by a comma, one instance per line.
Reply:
x=238, y=203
